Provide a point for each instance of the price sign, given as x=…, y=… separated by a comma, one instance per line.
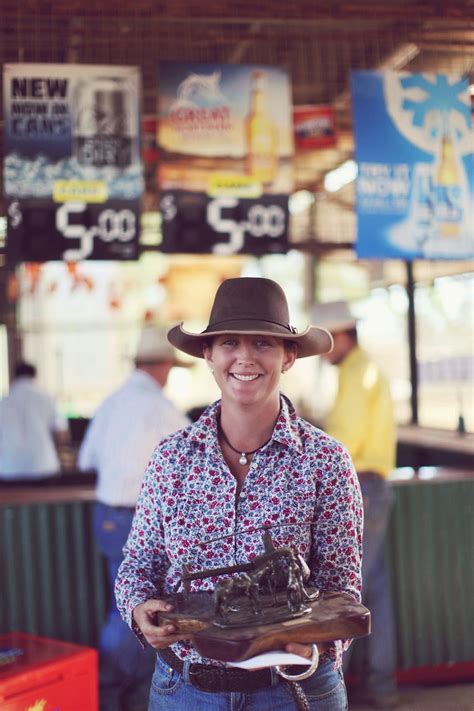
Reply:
x=71, y=231
x=196, y=223
x=73, y=176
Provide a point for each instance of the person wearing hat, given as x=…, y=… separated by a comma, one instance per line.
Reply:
x=362, y=418
x=117, y=445
x=248, y=462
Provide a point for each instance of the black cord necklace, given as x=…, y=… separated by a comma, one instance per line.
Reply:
x=243, y=455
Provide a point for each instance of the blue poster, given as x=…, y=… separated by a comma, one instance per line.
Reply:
x=415, y=156
x=72, y=170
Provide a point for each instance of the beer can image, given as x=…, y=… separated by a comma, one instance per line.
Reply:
x=104, y=130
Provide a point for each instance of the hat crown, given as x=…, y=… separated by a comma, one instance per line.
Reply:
x=250, y=299
x=153, y=345
x=333, y=315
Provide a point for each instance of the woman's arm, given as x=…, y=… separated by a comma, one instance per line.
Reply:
x=337, y=535
x=142, y=572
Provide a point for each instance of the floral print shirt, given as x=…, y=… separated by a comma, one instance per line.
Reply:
x=188, y=496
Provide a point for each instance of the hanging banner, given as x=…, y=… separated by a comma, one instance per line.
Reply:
x=150, y=161
x=314, y=127
x=414, y=149
x=150, y=149
x=226, y=139
x=72, y=170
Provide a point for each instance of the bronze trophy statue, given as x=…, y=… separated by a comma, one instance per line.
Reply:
x=263, y=606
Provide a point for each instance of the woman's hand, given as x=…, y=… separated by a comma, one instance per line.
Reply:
x=145, y=616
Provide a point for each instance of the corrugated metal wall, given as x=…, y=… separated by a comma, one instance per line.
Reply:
x=54, y=580
x=431, y=552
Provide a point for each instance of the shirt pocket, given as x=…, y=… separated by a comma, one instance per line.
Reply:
x=191, y=532
x=298, y=502
x=294, y=505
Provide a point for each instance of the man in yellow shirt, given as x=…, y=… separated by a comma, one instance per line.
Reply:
x=362, y=419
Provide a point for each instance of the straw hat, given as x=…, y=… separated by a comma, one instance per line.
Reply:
x=251, y=306
x=154, y=347
x=335, y=316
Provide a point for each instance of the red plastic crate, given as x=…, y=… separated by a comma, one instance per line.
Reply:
x=49, y=676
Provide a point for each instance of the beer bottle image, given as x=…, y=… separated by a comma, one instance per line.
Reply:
x=448, y=188
x=102, y=123
x=261, y=134
x=448, y=173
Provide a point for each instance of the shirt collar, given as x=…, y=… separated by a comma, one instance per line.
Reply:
x=205, y=428
x=286, y=429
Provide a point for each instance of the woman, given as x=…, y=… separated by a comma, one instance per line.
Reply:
x=248, y=461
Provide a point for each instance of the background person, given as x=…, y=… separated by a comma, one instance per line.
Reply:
x=30, y=429
x=362, y=418
x=118, y=444
x=247, y=462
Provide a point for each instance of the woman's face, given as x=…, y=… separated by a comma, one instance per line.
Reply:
x=247, y=369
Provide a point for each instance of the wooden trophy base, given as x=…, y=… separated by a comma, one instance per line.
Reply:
x=329, y=617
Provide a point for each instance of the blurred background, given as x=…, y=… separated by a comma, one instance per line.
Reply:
x=79, y=321
x=59, y=312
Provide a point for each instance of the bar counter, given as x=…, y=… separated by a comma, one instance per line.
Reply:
x=55, y=581
x=425, y=446
x=39, y=494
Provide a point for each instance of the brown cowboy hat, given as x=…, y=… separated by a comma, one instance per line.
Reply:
x=251, y=306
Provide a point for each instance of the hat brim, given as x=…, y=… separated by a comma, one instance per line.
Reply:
x=312, y=341
x=150, y=360
x=340, y=325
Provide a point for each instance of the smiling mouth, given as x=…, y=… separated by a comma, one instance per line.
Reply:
x=245, y=378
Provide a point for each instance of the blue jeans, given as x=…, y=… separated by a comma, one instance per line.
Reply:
x=125, y=670
x=379, y=647
x=325, y=691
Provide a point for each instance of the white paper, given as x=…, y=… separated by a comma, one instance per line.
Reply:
x=271, y=659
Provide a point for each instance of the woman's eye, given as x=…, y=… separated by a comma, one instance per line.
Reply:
x=262, y=343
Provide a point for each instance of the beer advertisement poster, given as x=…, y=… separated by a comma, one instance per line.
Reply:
x=414, y=151
x=226, y=170
x=72, y=170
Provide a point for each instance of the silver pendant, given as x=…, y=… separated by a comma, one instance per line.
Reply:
x=243, y=459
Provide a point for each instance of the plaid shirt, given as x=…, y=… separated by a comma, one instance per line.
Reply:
x=188, y=496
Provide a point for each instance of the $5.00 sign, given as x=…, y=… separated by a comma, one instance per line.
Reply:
x=198, y=223
x=40, y=230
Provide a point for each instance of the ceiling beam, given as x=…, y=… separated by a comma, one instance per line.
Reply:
x=271, y=11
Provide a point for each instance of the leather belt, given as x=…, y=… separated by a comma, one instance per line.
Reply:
x=212, y=678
